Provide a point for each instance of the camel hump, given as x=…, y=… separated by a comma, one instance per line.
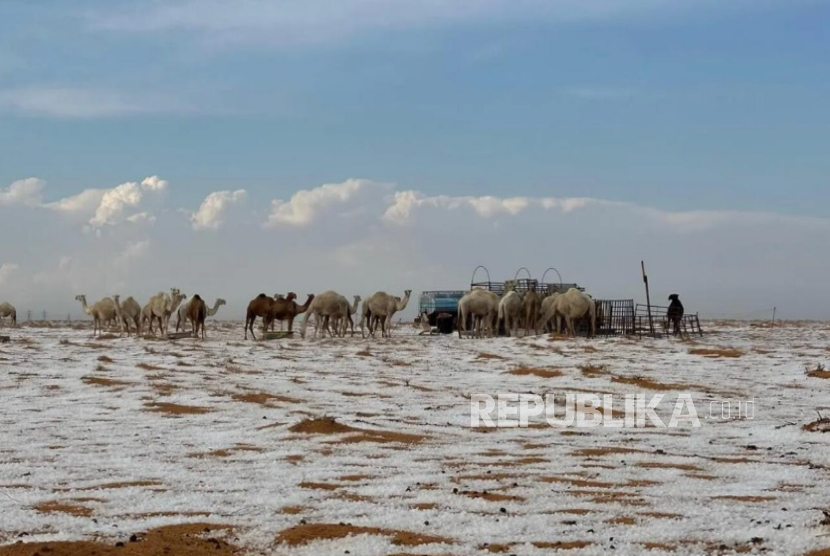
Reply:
x=197, y=297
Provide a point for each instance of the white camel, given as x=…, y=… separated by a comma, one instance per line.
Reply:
x=342, y=325
x=129, y=311
x=182, y=317
x=380, y=307
x=573, y=305
x=510, y=308
x=161, y=307
x=7, y=310
x=102, y=311
x=483, y=306
x=327, y=307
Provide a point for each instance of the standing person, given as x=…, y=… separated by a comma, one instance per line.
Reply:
x=675, y=313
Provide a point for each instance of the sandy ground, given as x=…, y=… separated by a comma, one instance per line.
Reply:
x=352, y=446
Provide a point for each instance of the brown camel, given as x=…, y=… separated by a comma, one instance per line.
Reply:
x=197, y=312
x=262, y=306
x=287, y=309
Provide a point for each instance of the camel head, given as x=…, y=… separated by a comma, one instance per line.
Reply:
x=290, y=296
x=220, y=301
x=115, y=298
x=674, y=297
x=81, y=298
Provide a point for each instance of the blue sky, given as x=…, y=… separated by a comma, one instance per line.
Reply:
x=681, y=110
x=662, y=103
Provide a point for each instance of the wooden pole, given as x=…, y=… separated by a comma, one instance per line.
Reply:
x=648, y=298
x=773, y=316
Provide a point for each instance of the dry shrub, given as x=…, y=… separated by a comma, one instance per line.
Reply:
x=818, y=372
x=105, y=359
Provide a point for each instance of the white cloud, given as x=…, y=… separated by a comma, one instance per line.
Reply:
x=25, y=192
x=85, y=202
x=307, y=205
x=72, y=102
x=359, y=236
x=210, y=215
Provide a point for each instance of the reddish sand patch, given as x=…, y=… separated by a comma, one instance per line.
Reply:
x=605, y=451
x=581, y=483
x=492, y=496
x=496, y=548
x=715, y=353
x=122, y=484
x=425, y=506
x=192, y=539
x=752, y=499
x=99, y=381
x=176, y=409
x=663, y=465
x=292, y=510
x=306, y=533
x=484, y=355
x=659, y=546
x=327, y=425
x=592, y=371
x=63, y=508
x=563, y=545
x=649, y=384
x=318, y=486
x=541, y=373
x=149, y=367
x=621, y=520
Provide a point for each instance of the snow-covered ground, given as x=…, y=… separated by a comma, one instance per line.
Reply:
x=106, y=437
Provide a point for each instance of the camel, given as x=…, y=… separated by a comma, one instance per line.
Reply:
x=327, y=307
x=510, y=308
x=343, y=325
x=573, y=305
x=7, y=310
x=197, y=312
x=530, y=310
x=287, y=309
x=262, y=306
x=382, y=306
x=182, y=314
x=128, y=311
x=547, y=311
x=101, y=311
x=161, y=307
x=482, y=306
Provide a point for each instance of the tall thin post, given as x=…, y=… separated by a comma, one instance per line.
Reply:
x=773, y=316
x=648, y=299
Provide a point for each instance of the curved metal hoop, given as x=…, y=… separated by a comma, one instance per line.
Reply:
x=557, y=273
x=516, y=276
x=473, y=278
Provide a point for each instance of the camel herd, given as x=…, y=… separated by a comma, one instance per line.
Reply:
x=159, y=308
x=529, y=310
x=332, y=312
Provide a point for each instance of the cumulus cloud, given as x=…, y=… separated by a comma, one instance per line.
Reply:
x=26, y=192
x=210, y=215
x=307, y=205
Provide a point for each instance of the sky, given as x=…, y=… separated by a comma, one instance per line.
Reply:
x=233, y=148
